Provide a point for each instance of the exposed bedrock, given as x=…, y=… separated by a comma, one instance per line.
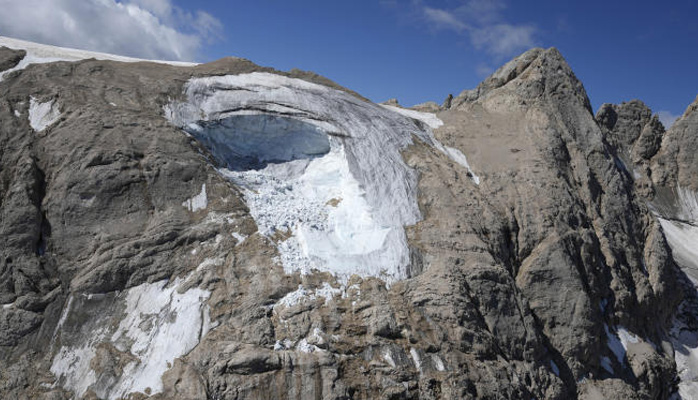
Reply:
x=9, y=58
x=663, y=168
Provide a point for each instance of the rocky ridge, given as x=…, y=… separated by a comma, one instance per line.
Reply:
x=537, y=267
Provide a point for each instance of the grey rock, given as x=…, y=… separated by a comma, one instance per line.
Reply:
x=9, y=58
x=15, y=324
x=447, y=102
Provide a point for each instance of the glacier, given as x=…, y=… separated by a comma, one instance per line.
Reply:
x=317, y=164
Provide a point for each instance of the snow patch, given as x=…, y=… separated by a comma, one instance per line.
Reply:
x=285, y=344
x=174, y=322
x=619, y=342
x=626, y=337
x=458, y=156
x=416, y=359
x=683, y=240
x=72, y=366
x=295, y=297
x=43, y=115
x=239, y=237
x=438, y=363
x=388, y=357
x=327, y=292
x=688, y=205
x=302, y=294
x=428, y=118
x=198, y=202
x=305, y=347
x=160, y=324
x=685, y=342
x=61, y=321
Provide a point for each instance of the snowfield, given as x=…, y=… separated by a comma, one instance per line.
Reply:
x=41, y=53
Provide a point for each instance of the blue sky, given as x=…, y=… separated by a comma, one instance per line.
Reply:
x=414, y=50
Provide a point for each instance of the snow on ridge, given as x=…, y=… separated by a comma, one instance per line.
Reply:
x=345, y=210
x=428, y=118
x=41, y=53
x=43, y=115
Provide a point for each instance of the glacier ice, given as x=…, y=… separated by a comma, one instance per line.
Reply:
x=316, y=163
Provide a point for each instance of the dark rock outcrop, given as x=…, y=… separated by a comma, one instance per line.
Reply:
x=9, y=58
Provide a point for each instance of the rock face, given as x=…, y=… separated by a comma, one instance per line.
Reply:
x=664, y=171
x=9, y=58
x=228, y=231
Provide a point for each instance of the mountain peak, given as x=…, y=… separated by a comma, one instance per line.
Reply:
x=532, y=74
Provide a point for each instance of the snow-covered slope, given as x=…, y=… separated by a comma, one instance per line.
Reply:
x=159, y=324
x=41, y=53
x=682, y=237
x=317, y=164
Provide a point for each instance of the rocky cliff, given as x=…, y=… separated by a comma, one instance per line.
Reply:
x=228, y=231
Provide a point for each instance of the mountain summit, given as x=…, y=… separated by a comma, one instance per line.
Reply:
x=229, y=231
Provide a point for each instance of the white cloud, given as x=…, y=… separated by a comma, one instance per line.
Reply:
x=483, y=22
x=667, y=118
x=152, y=29
x=443, y=19
x=504, y=39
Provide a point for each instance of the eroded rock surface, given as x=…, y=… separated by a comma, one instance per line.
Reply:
x=663, y=168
